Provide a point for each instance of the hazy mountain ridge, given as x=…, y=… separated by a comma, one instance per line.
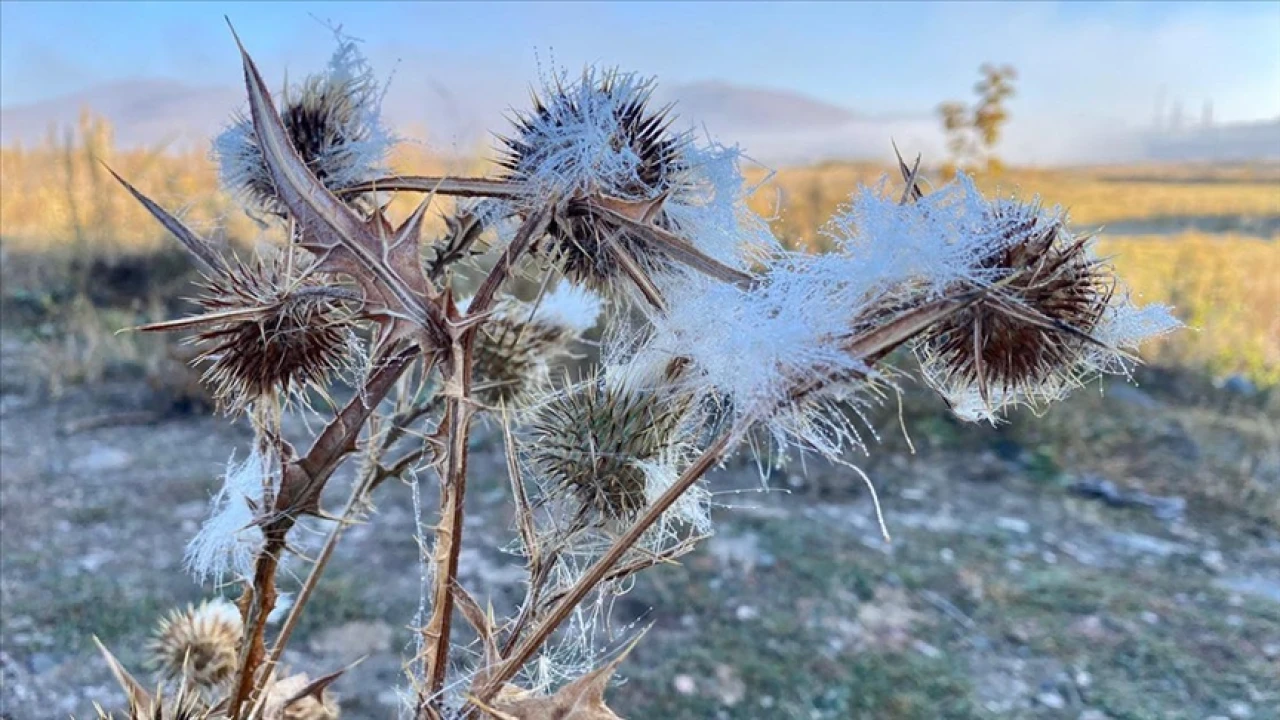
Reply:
x=774, y=125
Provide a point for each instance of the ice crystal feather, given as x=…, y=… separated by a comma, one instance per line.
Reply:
x=333, y=120
x=230, y=538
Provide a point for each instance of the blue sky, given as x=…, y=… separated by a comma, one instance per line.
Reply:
x=1100, y=61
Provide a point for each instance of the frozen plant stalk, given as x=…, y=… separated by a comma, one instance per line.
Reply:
x=710, y=332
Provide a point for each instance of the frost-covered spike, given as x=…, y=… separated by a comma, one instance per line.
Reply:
x=229, y=540
x=570, y=307
x=593, y=144
x=333, y=119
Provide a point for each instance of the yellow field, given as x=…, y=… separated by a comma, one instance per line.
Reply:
x=57, y=201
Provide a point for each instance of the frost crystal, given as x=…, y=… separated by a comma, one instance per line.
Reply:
x=334, y=121
x=229, y=540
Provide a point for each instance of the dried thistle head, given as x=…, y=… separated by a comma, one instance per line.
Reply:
x=1026, y=336
x=297, y=698
x=200, y=644
x=597, y=442
x=518, y=342
x=333, y=121
x=591, y=141
x=267, y=332
x=187, y=703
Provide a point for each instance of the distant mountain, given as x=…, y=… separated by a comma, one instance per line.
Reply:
x=736, y=108
x=143, y=113
x=775, y=126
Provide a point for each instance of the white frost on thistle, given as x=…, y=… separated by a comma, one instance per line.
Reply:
x=348, y=136
x=569, y=306
x=229, y=541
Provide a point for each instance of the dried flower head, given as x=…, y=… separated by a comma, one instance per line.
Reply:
x=592, y=139
x=298, y=698
x=598, y=441
x=200, y=644
x=187, y=703
x=266, y=332
x=516, y=345
x=1039, y=330
x=333, y=120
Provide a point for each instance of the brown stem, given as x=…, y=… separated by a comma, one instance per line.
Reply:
x=300, y=489
x=599, y=570
x=458, y=187
x=457, y=421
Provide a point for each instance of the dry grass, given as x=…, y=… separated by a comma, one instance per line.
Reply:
x=1226, y=287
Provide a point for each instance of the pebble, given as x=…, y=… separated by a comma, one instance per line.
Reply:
x=746, y=613
x=1150, y=618
x=1012, y=524
x=1240, y=710
x=1213, y=560
x=1093, y=715
x=684, y=684
x=1052, y=700
x=101, y=459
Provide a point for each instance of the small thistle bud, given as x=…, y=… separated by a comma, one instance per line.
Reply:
x=333, y=121
x=199, y=644
x=597, y=441
x=278, y=336
x=516, y=345
x=596, y=140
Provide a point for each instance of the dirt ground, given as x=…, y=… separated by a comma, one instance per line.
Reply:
x=1007, y=590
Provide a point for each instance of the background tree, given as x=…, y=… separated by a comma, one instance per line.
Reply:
x=973, y=133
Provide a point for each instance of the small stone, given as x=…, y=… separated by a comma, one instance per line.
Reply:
x=101, y=459
x=1051, y=700
x=1012, y=524
x=914, y=494
x=927, y=650
x=1049, y=557
x=1240, y=710
x=1213, y=560
x=1149, y=617
x=1271, y=650
x=766, y=701
x=947, y=555
x=684, y=684
x=746, y=613
x=729, y=684
x=1082, y=679
x=1093, y=715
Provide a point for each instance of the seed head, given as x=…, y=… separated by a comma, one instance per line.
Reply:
x=593, y=138
x=595, y=440
x=200, y=644
x=333, y=120
x=516, y=345
x=281, y=334
x=1026, y=338
x=297, y=698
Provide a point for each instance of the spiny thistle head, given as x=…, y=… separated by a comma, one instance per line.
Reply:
x=267, y=332
x=597, y=138
x=516, y=345
x=333, y=120
x=1043, y=324
x=597, y=441
x=200, y=644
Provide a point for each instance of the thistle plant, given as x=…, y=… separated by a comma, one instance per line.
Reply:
x=711, y=333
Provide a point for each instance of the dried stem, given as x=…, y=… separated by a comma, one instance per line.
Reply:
x=457, y=424
x=458, y=187
x=599, y=570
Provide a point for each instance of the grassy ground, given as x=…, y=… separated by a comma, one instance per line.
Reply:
x=1005, y=593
